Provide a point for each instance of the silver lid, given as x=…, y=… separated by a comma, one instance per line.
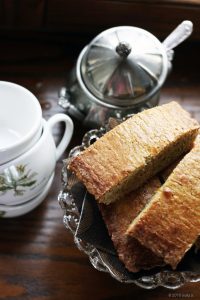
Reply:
x=123, y=66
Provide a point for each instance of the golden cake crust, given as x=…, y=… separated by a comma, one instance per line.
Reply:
x=128, y=155
x=170, y=224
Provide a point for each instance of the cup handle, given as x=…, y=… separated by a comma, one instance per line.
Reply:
x=69, y=128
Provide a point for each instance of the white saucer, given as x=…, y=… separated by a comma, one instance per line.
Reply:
x=22, y=209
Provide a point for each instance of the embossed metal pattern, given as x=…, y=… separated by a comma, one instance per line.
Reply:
x=167, y=279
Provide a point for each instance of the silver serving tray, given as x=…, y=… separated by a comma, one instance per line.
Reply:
x=168, y=279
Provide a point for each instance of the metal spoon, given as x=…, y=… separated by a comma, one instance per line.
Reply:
x=177, y=36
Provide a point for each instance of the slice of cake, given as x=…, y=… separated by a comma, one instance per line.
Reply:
x=118, y=216
x=170, y=223
x=131, y=153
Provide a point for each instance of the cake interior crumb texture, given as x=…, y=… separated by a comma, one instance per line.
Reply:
x=170, y=223
x=134, y=151
x=118, y=216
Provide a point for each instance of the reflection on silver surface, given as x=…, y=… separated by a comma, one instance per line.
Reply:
x=168, y=279
x=118, y=73
x=122, y=64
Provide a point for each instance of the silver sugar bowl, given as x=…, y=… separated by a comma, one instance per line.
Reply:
x=119, y=73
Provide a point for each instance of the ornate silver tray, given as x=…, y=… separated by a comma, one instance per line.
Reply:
x=166, y=278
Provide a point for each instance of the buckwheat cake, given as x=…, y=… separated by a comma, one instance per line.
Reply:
x=131, y=153
x=170, y=223
x=118, y=216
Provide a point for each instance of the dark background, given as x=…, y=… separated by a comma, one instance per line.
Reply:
x=39, y=43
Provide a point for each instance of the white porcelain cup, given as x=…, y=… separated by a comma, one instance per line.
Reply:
x=20, y=120
x=12, y=211
x=25, y=177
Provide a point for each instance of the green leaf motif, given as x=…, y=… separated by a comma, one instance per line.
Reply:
x=2, y=213
x=21, y=168
x=2, y=180
x=15, y=177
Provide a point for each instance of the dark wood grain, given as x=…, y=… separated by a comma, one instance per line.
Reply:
x=158, y=17
x=22, y=13
x=38, y=258
x=93, y=16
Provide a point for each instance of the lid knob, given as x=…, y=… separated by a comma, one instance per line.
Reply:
x=123, y=49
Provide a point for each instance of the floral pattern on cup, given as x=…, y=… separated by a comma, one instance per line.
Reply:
x=2, y=213
x=17, y=179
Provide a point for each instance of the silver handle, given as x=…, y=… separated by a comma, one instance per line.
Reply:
x=64, y=102
x=178, y=35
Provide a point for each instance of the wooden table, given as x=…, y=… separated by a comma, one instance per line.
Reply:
x=38, y=258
